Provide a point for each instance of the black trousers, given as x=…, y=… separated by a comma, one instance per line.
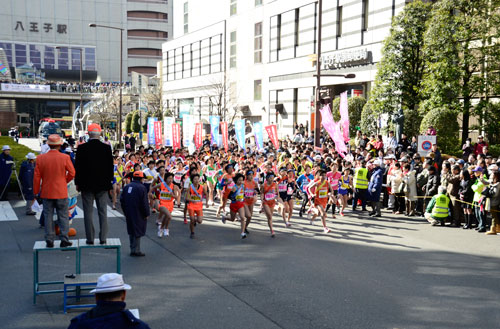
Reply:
x=359, y=194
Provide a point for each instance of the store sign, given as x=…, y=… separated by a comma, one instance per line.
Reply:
x=38, y=27
x=25, y=88
x=346, y=59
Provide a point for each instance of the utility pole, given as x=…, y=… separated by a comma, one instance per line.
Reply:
x=317, y=119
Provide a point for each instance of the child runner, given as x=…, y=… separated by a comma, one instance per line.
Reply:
x=323, y=192
x=269, y=191
x=251, y=190
x=227, y=184
x=238, y=207
x=167, y=195
x=345, y=183
x=194, y=196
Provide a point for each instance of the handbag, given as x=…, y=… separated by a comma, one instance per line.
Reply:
x=72, y=192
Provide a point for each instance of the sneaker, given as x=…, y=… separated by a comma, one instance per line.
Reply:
x=246, y=231
x=65, y=244
x=272, y=234
x=341, y=213
x=30, y=213
x=192, y=235
x=160, y=233
x=185, y=221
x=326, y=230
x=309, y=216
x=49, y=244
x=223, y=219
x=243, y=235
x=166, y=232
x=288, y=224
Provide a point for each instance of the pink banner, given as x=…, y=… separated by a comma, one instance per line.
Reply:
x=225, y=139
x=272, y=132
x=158, y=134
x=333, y=129
x=176, y=136
x=344, y=115
x=198, y=138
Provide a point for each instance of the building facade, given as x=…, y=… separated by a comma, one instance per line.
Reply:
x=50, y=33
x=252, y=59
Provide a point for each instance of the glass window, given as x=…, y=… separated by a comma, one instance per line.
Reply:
x=186, y=17
x=233, y=7
x=258, y=43
x=35, y=56
x=89, y=59
x=233, y=50
x=75, y=59
x=257, y=90
x=258, y=3
x=7, y=47
x=62, y=62
x=20, y=54
x=49, y=58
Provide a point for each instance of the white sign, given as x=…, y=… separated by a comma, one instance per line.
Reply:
x=25, y=88
x=167, y=130
x=188, y=126
x=343, y=58
x=425, y=144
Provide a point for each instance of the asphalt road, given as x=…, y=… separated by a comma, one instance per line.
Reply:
x=389, y=272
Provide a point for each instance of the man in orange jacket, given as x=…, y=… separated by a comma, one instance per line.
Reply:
x=55, y=170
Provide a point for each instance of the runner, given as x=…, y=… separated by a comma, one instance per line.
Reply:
x=167, y=195
x=269, y=192
x=251, y=190
x=227, y=183
x=345, y=183
x=210, y=171
x=323, y=192
x=194, y=196
x=238, y=207
x=283, y=208
x=333, y=178
x=305, y=179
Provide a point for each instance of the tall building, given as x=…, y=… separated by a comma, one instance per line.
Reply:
x=252, y=59
x=30, y=31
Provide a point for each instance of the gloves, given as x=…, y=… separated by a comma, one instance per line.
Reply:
x=374, y=190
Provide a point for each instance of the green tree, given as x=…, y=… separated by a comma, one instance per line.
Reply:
x=128, y=123
x=136, y=125
x=400, y=71
x=355, y=106
x=460, y=56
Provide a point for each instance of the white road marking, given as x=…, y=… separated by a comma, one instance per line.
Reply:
x=6, y=212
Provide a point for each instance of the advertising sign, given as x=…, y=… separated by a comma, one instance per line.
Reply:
x=187, y=129
x=214, y=127
x=272, y=132
x=239, y=127
x=198, y=135
x=425, y=144
x=151, y=131
x=259, y=135
x=176, y=136
x=158, y=136
x=26, y=88
x=225, y=137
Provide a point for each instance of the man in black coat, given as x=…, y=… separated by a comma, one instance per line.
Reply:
x=94, y=178
x=135, y=205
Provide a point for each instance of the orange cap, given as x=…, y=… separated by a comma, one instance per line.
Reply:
x=139, y=174
x=54, y=139
x=94, y=128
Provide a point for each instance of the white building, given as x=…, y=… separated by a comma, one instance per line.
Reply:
x=255, y=54
x=30, y=31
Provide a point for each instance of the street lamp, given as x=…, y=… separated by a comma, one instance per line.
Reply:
x=318, y=75
x=121, y=77
x=81, y=75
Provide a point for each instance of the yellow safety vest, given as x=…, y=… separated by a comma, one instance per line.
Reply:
x=440, y=209
x=361, y=178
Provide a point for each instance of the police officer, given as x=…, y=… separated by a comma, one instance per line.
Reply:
x=135, y=205
x=360, y=185
x=6, y=162
x=439, y=208
x=26, y=175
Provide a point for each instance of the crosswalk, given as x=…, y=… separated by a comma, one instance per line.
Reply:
x=7, y=213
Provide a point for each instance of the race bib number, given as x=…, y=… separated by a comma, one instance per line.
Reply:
x=165, y=196
x=249, y=193
x=290, y=191
x=282, y=187
x=323, y=194
x=177, y=178
x=239, y=197
x=269, y=196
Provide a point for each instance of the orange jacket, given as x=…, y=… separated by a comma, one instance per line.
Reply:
x=55, y=170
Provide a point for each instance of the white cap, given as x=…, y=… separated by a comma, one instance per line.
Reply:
x=31, y=156
x=317, y=157
x=5, y=147
x=377, y=162
x=452, y=160
x=110, y=282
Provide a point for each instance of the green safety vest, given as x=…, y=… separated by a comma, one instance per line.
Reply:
x=440, y=209
x=361, y=178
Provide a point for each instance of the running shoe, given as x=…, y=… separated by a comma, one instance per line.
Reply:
x=160, y=232
x=288, y=224
x=341, y=213
x=309, y=216
x=192, y=235
x=223, y=219
x=272, y=234
x=246, y=231
x=326, y=230
x=185, y=221
x=166, y=232
x=243, y=235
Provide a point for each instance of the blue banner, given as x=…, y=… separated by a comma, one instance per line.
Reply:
x=151, y=131
x=239, y=128
x=214, y=128
x=258, y=131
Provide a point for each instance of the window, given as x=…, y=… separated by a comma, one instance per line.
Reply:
x=339, y=21
x=49, y=58
x=258, y=3
x=90, y=59
x=233, y=7
x=257, y=90
x=232, y=54
x=257, y=57
x=186, y=18
x=62, y=61
x=36, y=56
x=75, y=59
x=20, y=54
x=7, y=47
x=364, y=19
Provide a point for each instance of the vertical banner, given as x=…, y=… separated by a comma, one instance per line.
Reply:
x=198, y=136
x=259, y=135
x=272, y=132
x=225, y=137
x=344, y=115
x=158, y=136
x=167, y=130
x=239, y=128
x=187, y=129
x=176, y=136
x=214, y=128
x=151, y=131
x=333, y=129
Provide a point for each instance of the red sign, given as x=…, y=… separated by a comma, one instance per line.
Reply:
x=158, y=134
x=198, y=135
x=223, y=129
x=357, y=92
x=272, y=132
x=176, y=136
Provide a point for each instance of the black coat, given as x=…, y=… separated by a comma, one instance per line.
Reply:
x=94, y=166
x=431, y=188
x=135, y=205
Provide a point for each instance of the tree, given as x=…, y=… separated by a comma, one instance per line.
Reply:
x=461, y=55
x=400, y=71
x=355, y=106
x=223, y=99
x=136, y=125
x=445, y=122
x=128, y=123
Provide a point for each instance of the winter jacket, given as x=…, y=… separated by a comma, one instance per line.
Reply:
x=410, y=186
